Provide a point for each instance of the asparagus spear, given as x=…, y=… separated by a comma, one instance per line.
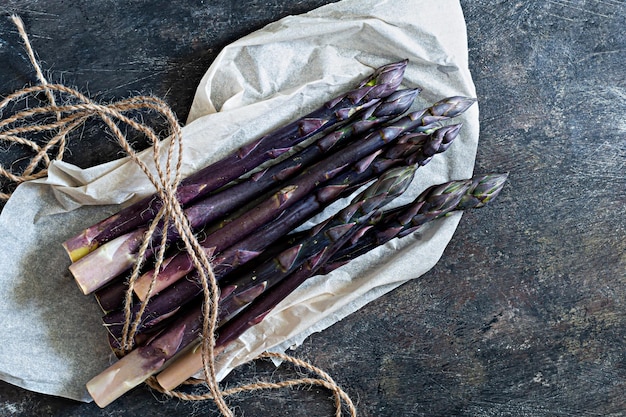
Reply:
x=146, y=360
x=120, y=254
x=420, y=121
x=327, y=237
x=435, y=199
x=413, y=150
x=434, y=203
x=380, y=84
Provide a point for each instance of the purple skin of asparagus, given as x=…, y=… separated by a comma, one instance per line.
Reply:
x=145, y=360
x=305, y=182
x=384, y=81
x=327, y=237
x=120, y=254
x=165, y=304
x=467, y=195
x=413, y=150
x=244, y=288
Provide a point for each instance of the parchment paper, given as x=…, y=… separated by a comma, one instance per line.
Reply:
x=53, y=338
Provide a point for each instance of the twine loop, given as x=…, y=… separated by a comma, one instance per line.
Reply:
x=59, y=120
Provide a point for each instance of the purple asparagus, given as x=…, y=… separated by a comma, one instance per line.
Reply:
x=191, y=361
x=144, y=361
x=120, y=254
x=380, y=84
x=413, y=150
x=421, y=121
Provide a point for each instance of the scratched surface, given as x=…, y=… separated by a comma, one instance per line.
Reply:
x=525, y=313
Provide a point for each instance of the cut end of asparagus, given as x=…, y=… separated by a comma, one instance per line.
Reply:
x=186, y=364
x=79, y=251
x=99, y=267
x=87, y=241
x=119, y=378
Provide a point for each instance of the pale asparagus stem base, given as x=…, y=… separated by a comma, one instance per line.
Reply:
x=121, y=377
x=128, y=373
x=184, y=367
x=121, y=249
x=144, y=361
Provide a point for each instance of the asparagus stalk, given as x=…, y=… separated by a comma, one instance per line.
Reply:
x=413, y=150
x=380, y=84
x=109, y=297
x=134, y=368
x=120, y=254
x=421, y=121
x=327, y=237
x=146, y=360
x=432, y=203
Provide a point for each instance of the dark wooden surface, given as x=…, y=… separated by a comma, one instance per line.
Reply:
x=525, y=313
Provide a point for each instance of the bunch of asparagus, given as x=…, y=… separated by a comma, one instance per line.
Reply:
x=246, y=209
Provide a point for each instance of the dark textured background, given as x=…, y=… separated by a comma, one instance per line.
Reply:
x=524, y=314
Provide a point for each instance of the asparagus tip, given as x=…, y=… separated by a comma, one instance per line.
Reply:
x=397, y=103
x=452, y=106
x=484, y=188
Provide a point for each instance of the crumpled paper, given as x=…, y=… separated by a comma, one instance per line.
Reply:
x=53, y=338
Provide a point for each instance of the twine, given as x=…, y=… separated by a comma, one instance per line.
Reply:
x=74, y=113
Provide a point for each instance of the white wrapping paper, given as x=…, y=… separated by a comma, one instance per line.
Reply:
x=53, y=339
